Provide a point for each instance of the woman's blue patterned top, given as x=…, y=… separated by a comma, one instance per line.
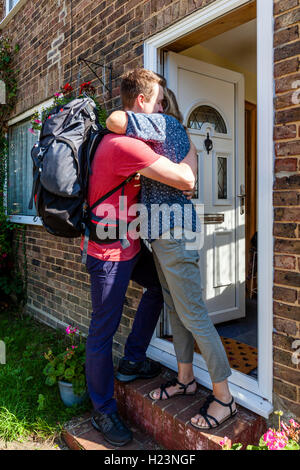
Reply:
x=167, y=137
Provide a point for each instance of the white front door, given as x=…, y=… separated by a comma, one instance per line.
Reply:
x=212, y=109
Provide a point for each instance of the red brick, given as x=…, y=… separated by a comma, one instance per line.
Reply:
x=286, y=295
x=285, y=132
x=286, y=164
x=287, y=19
x=286, y=214
x=286, y=35
x=281, y=6
x=287, y=311
x=286, y=262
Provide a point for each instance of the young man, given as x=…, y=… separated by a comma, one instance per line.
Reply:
x=111, y=266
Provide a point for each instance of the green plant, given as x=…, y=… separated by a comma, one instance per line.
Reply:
x=64, y=96
x=287, y=437
x=28, y=407
x=69, y=364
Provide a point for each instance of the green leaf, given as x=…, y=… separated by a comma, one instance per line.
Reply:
x=28, y=378
x=49, y=370
x=50, y=380
x=237, y=446
x=41, y=402
x=60, y=369
x=292, y=445
x=69, y=373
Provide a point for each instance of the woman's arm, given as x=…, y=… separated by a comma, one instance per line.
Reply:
x=178, y=175
x=146, y=127
x=117, y=122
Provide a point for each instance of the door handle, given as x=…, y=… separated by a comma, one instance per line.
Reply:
x=242, y=197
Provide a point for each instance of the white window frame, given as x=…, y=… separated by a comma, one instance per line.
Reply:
x=10, y=14
x=7, y=7
x=253, y=394
x=26, y=219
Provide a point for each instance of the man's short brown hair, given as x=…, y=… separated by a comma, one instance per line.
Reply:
x=136, y=82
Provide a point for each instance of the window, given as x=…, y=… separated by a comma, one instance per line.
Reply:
x=222, y=178
x=206, y=114
x=10, y=4
x=20, y=143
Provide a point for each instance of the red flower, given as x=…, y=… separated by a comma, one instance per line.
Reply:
x=67, y=88
x=86, y=86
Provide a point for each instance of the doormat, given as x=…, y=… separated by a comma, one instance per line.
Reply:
x=241, y=356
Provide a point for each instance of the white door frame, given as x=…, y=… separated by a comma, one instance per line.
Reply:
x=255, y=395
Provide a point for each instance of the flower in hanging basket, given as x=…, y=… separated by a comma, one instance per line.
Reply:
x=87, y=88
x=67, y=89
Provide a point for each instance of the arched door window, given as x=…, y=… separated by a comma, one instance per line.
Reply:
x=203, y=114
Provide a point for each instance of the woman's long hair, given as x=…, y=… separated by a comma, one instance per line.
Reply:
x=170, y=105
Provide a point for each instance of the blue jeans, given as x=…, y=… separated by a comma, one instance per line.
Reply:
x=109, y=282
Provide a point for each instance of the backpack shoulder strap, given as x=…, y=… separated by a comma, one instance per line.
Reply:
x=107, y=195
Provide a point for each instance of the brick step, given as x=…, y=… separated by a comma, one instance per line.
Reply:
x=167, y=422
x=163, y=424
x=79, y=434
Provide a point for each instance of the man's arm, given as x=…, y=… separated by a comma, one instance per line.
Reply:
x=134, y=156
x=178, y=175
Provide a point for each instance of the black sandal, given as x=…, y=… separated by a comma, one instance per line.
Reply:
x=172, y=383
x=203, y=413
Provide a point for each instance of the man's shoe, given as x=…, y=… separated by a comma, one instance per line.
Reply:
x=112, y=427
x=129, y=370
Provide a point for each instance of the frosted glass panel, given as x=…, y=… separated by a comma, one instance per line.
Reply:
x=20, y=143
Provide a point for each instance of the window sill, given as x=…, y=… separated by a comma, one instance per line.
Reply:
x=25, y=219
x=12, y=13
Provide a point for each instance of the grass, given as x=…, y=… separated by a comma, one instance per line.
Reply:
x=27, y=406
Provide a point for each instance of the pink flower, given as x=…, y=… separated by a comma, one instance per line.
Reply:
x=68, y=330
x=225, y=443
x=284, y=427
x=294, y=423
x=275, y=440
x=37, y=121
x=32, y=131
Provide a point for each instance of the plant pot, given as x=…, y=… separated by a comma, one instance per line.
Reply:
x=68, y=396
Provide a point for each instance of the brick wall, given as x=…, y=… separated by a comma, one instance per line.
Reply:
x=51, y=40
x=52, y=34
x=286, y=203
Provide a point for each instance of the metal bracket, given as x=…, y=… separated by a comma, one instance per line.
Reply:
x=104, y=68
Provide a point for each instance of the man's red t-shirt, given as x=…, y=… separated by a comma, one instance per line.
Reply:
x=116, y=158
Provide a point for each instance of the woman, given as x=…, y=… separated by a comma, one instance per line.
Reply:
x=178, y=267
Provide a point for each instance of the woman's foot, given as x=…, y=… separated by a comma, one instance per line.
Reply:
x=174, y=387
x=218, y=411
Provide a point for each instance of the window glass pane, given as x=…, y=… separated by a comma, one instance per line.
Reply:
x=222, y=178
x=11, y=4
x=204, y=114
x=20, y=143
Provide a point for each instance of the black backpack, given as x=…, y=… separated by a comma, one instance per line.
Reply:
x=61, y=167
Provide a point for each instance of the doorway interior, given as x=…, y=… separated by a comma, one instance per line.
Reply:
x=234, y=50
x=237, y=36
